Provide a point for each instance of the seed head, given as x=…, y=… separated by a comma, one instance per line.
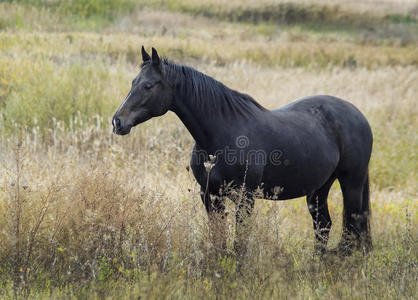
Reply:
x=208, y=165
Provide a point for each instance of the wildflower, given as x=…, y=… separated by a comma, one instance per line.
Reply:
x=210, y=164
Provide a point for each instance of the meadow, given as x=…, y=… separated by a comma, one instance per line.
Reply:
x=88, y=214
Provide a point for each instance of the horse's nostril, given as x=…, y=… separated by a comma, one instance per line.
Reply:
x=116, y=122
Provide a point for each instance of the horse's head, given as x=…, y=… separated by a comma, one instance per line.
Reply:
x=150, y=95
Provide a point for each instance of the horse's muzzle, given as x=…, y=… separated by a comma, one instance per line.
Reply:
x=118, y=128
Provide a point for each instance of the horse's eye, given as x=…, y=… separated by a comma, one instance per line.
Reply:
x=148, y=85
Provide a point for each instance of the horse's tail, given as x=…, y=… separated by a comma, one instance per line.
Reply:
x=367, y=238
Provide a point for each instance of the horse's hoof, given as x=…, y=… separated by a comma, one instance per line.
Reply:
x=344, y=249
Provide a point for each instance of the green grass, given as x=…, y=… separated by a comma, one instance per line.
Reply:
x=40, y=91
x=77, y=14
x=108, y=9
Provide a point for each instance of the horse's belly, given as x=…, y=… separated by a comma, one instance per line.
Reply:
x=283, y=191
x=291, y=180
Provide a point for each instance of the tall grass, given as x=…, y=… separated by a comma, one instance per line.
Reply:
x=85, y=213
x=93, y=216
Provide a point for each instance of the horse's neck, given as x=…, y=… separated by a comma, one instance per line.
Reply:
x=202, y=128
x=207, y=121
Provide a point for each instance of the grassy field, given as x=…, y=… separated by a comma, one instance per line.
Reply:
x=88, y=214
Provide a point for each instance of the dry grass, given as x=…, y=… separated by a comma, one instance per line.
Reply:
x=121, y=207
x=89, y=214
x=122, y=217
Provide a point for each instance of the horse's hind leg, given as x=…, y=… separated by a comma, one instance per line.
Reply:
x=356, y=229
x=318, y=207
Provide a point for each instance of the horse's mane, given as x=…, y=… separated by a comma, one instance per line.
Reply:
x=209, y=95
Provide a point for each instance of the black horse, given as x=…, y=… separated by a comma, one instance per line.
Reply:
x=297, y=150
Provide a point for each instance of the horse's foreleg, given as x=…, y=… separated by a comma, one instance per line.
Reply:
x=244, y=209
x=215, y=207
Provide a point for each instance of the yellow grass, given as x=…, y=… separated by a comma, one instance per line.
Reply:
x=86, y=213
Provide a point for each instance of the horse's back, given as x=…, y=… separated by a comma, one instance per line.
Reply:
x=330, y=105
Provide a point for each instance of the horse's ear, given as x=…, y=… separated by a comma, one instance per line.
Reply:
x=145, y=55
x=155, y=57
